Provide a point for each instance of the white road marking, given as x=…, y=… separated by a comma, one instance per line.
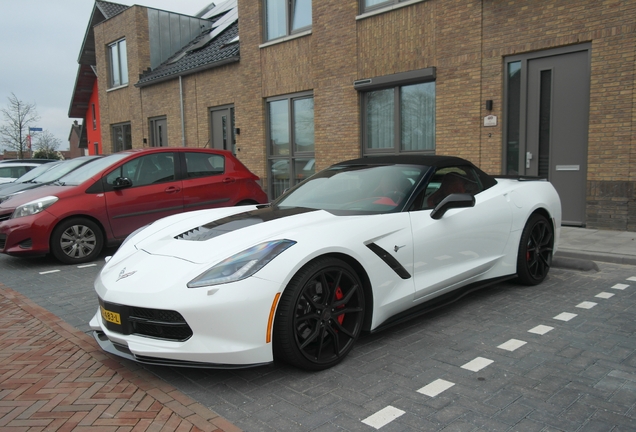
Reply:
x=512, y=345
x=383, y=417
x=540, y=329
x=86, y=265
x=564, y=316
x=477, y=364
x=436, y=387
x=632, y=278
x=604, y=295
x=48, y=272
x=586, y=305
x=620, y=286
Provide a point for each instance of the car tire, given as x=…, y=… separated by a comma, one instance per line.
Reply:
x=76, y=241
x=315, y=328
x=535, y=250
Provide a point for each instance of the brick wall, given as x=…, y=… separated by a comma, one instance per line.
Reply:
x=123, y=104
x=516, y=27
x=466, y=41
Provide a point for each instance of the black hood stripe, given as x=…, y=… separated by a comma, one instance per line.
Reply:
x=238, y=221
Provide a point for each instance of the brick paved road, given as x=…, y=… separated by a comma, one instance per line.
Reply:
x=498, y=359
x=55, y=378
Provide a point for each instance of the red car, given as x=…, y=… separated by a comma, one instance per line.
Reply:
x=103, y=202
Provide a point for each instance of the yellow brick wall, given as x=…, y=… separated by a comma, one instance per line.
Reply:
x=466, y=41
x=123, y=104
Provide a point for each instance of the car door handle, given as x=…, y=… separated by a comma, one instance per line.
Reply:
x=228, y=180
x=172, y=189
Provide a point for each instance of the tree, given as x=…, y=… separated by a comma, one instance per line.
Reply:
x=46, y=146
x=17, y=117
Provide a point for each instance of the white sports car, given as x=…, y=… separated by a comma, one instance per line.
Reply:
x=357, y=247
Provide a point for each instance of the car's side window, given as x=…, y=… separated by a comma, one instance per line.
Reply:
x=13, y=172
x=204, y=164
x=145, y=170
x=446, y=181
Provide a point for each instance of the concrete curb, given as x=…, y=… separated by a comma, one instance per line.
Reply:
x=595, y=256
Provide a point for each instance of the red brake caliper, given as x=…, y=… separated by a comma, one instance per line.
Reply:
x=339, y=296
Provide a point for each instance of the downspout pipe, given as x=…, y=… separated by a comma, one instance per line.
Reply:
x=183, y=139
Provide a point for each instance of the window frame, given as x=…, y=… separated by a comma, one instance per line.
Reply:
x=122, y=60
x=292, y=154
x=289, y=18
x=113, y=127
x=396, y=117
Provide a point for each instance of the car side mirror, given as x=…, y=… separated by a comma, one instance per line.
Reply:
x=122, y=182
x=456, y=200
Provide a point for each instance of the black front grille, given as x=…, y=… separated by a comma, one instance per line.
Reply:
x=26, y=244
x=3, y=241
x=6, y=216
x=153, y=323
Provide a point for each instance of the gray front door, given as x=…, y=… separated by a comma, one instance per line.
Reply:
x=558, y=109
x=553, y=101
x=223, y=129
x=159, y=132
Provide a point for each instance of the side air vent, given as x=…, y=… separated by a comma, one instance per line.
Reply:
x=389, y=260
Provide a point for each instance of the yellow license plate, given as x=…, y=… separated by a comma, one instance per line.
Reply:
x=110, y=316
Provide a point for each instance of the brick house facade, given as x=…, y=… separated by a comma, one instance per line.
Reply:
x=465, y=43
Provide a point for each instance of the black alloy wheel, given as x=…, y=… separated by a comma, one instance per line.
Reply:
x=76, y=241
x=535, y=250
x=320, y=315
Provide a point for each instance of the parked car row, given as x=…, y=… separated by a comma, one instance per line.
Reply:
x=77, y=207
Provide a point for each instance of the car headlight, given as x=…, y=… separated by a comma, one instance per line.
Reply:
x=34, y=207
x=242, y=265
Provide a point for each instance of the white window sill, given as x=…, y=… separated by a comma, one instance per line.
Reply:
x=387, y=9
x=285, y=38
x=116, y=88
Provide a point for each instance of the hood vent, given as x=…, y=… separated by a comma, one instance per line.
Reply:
x=238, y=221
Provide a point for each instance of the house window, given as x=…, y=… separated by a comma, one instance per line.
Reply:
x=286, y=17
x=118, y=64
x=291, y=141
x=400, y=119
x=94, y=117
x=96, y=148
x=122, y=137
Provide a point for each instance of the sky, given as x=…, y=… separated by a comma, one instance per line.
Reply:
x=40, y=42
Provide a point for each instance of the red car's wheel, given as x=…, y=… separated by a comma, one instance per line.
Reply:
x=76, y=241
x=320, y=315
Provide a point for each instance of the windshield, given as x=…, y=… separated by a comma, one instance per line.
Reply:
x=83, y=173
x=62, y=169
x=373, y=189
x=36, y=172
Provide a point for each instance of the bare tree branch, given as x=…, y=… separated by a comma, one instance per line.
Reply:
x=17, y=116
x=46, y=146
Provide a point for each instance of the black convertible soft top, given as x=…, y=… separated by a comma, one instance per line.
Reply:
x=434, y=161
x=424, y=160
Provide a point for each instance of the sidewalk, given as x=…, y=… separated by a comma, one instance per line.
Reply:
x=597, y=245
x=54, y=377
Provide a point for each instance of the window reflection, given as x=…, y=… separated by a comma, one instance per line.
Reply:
x=302, y=14
x=417, y=113
x=513, y=118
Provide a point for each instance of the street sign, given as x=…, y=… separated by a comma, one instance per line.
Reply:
x=32, y=129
